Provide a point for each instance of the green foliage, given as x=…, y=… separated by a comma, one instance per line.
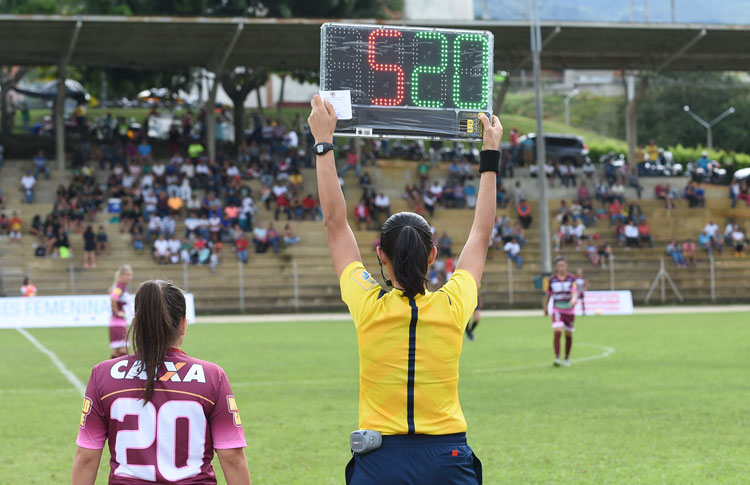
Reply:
x=661, y=116
x=597, y=149
x=670, y=404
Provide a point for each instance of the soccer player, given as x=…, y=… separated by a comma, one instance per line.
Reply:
x=162, y=411
x=582, y=284
x=409, y=339
x=564, y=294
x=118, y=326
x=472, y=325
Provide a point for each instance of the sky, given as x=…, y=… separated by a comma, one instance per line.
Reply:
x=686, y=11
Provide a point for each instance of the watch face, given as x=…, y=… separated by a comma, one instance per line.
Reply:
x=319, y=148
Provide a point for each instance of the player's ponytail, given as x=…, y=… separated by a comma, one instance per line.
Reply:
x=407, y=241
x=159, y=311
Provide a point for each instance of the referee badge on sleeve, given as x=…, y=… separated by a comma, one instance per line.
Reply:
x=363, y=279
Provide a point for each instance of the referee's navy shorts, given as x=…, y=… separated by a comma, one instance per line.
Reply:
x=417, y=460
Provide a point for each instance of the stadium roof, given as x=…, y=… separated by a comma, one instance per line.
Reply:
x=178, y=42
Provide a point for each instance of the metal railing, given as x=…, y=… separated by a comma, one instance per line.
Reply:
x=711, y=280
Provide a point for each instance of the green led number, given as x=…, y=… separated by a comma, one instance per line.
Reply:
x=429, y=103
x=482, y=104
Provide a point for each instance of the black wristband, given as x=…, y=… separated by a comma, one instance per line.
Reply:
x=489, y=161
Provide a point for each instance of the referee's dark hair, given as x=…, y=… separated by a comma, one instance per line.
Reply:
x=159, y=311
x=407, y=241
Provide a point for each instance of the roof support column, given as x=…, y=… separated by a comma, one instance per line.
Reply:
x=218, y=68
x=60, y=101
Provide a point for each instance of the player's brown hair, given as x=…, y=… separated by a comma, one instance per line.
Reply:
x=159, y=311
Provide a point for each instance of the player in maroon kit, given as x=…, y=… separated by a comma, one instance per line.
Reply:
x=162, y=411
x=118, y=326
x=563, y=292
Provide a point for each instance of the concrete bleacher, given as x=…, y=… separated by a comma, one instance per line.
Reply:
x=269, y=279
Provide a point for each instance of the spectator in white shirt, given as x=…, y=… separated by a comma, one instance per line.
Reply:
x=185, y=191
x=154, y=227
x=382, y=204
x=738, y=241
x=188, y=170
x=28, y=182
x=631, y=235
x=159, y=169
x=192, y=225
x=174, y=250
x=513, y=252
x=279, y=189
x=436, y=190
x=168, y=226
x=712, y=230
x=161, y=250
x=147, y=181
x=176, y=159
x=233, y=171
x=193, y=204
x=292, y=140
x=564, y=174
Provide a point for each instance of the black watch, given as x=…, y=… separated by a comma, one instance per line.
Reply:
x=322, y=148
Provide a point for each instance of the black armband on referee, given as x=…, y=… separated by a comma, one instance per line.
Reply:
x=489, y=161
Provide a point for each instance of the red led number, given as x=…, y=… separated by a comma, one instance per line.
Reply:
x=376, y=66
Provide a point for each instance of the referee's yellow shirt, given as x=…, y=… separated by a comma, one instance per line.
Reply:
x=409, y=353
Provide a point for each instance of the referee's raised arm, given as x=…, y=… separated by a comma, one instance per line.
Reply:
x=341, y=241
x=474, y=252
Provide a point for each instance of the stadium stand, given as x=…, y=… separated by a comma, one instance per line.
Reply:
x=269, y=279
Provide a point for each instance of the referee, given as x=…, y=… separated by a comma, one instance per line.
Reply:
x=409, y=338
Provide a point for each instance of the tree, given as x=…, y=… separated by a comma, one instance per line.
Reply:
x=9, y=77
x=238, y=84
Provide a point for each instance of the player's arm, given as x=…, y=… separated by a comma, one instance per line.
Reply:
x=115, y=311
x=574, y=295
x=85, y=466
x=546, y=303
x=474, y=252
x=234, y=465
x=341, y=241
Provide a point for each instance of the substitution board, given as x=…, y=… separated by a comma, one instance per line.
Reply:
x=408, y=82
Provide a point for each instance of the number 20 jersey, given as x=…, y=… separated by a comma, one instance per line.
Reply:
x=170, y=439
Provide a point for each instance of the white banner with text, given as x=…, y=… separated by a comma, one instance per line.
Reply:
x=606, y=303
x=68, y=311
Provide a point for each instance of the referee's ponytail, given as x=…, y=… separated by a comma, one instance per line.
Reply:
x=159, y=311
x=407, y=241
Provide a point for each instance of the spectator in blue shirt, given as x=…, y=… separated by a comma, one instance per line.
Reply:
x=40, y=165
x=703, y=162
x=144, y=149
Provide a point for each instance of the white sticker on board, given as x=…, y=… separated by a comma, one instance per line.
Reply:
x=341, y=100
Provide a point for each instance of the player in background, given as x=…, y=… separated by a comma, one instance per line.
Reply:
x=582, y=284
x=564, y=294
x=28, y=289
x=162, y=411
x=472, y=325
x=118, y=326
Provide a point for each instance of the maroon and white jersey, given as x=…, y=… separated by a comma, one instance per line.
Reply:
x=561, y=291
x=173, y=437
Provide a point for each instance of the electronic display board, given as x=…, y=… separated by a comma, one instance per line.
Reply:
x=409, y=82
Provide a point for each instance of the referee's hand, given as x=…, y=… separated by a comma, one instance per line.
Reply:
x=322, y=120
x=493, y=132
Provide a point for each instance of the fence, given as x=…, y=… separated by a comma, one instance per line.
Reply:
x=244, y=289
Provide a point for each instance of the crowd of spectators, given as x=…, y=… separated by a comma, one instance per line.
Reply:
x=211, y=198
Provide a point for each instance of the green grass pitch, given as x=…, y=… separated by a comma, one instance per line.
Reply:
x=662, y=399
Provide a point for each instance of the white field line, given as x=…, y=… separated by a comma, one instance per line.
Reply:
x=606, y=352
x=55, y=360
